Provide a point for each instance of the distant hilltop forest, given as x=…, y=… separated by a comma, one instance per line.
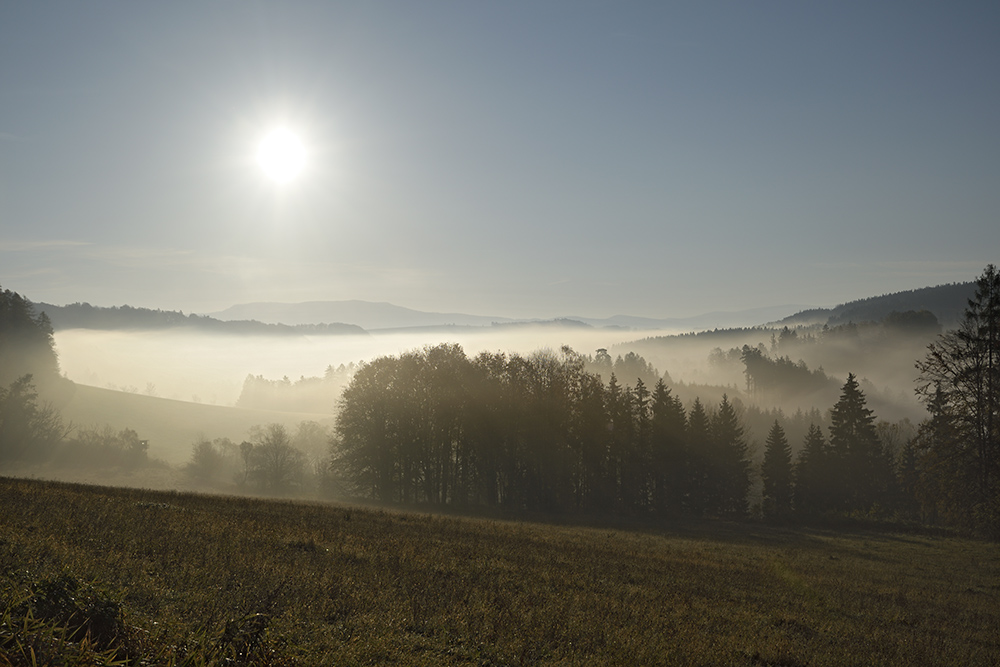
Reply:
x=86, y=316
x=947, y=302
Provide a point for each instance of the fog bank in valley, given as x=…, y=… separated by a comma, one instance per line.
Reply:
x=211, y=368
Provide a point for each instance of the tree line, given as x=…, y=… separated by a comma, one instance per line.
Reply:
x=542, y=433
x=545, y=432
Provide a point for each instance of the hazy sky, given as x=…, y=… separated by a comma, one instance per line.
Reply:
x=520, y=159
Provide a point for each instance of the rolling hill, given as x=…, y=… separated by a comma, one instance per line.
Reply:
x=947, y=302
x=171, y=426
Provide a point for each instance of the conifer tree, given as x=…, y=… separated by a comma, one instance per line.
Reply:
x=812, y=474
x=857, y=457
x=667, y=450
x=729, y=468
x=698, y=445
x=638, y=460
x=776, y=471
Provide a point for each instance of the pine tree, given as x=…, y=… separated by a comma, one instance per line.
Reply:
x=776, y=471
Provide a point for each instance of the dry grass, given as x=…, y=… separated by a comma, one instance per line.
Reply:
x=206, y=580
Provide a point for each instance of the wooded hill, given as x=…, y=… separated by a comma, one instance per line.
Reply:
x=947, y=302
x=86, y=316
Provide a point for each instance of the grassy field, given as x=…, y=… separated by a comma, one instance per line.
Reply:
x=172, y=427
x=149, y=577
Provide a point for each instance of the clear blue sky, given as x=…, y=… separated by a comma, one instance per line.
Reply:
x=521, y=159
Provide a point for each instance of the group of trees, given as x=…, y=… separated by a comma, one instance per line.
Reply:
x=534, y=433
x=853, y=471
x=307, y=394
x=101, y=448
x=271, y=461
x=543, y=433
x=28, y=426
x=779, y=378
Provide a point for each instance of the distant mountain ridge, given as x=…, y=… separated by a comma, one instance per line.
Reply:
x=947, y=302
x=376, y=316
x=86, y=316
x=368, y=315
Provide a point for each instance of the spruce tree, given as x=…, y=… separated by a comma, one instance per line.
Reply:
x=667, y=449
x=698, y=445
x=729, y=468
x=812, y=475
x=860, y=467
x=776, y=471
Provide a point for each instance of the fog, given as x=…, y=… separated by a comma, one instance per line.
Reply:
x=211, y=368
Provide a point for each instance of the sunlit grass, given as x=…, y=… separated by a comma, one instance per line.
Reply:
x=200, y=579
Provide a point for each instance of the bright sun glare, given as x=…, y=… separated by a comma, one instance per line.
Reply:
x=281, y=155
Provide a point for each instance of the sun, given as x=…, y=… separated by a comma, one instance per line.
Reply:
x=281, y=155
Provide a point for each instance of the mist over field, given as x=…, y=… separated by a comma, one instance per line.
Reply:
x=211, y=368
x=184, y=385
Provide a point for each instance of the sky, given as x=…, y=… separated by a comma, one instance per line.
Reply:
x=517, y=159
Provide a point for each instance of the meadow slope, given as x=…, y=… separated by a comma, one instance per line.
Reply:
x=172, y=426
x=176, y=578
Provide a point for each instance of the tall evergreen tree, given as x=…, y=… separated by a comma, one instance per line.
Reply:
x=667, y=450
x=857, y=457
x=638, y=464
x=776, y=471
x=621, y=425
x=729, y=477
x=812, y=474
x=698, y=437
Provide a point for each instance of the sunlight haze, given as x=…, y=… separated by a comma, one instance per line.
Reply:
x=508, y=159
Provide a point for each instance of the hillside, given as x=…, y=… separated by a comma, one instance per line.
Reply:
x=172, y=578
x=947, y=302
x=170, y=426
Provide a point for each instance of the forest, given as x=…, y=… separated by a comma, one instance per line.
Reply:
x=570, y=433
x=547, y=433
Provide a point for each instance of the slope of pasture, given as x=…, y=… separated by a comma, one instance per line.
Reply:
x=171, y=426
x=170, y=579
